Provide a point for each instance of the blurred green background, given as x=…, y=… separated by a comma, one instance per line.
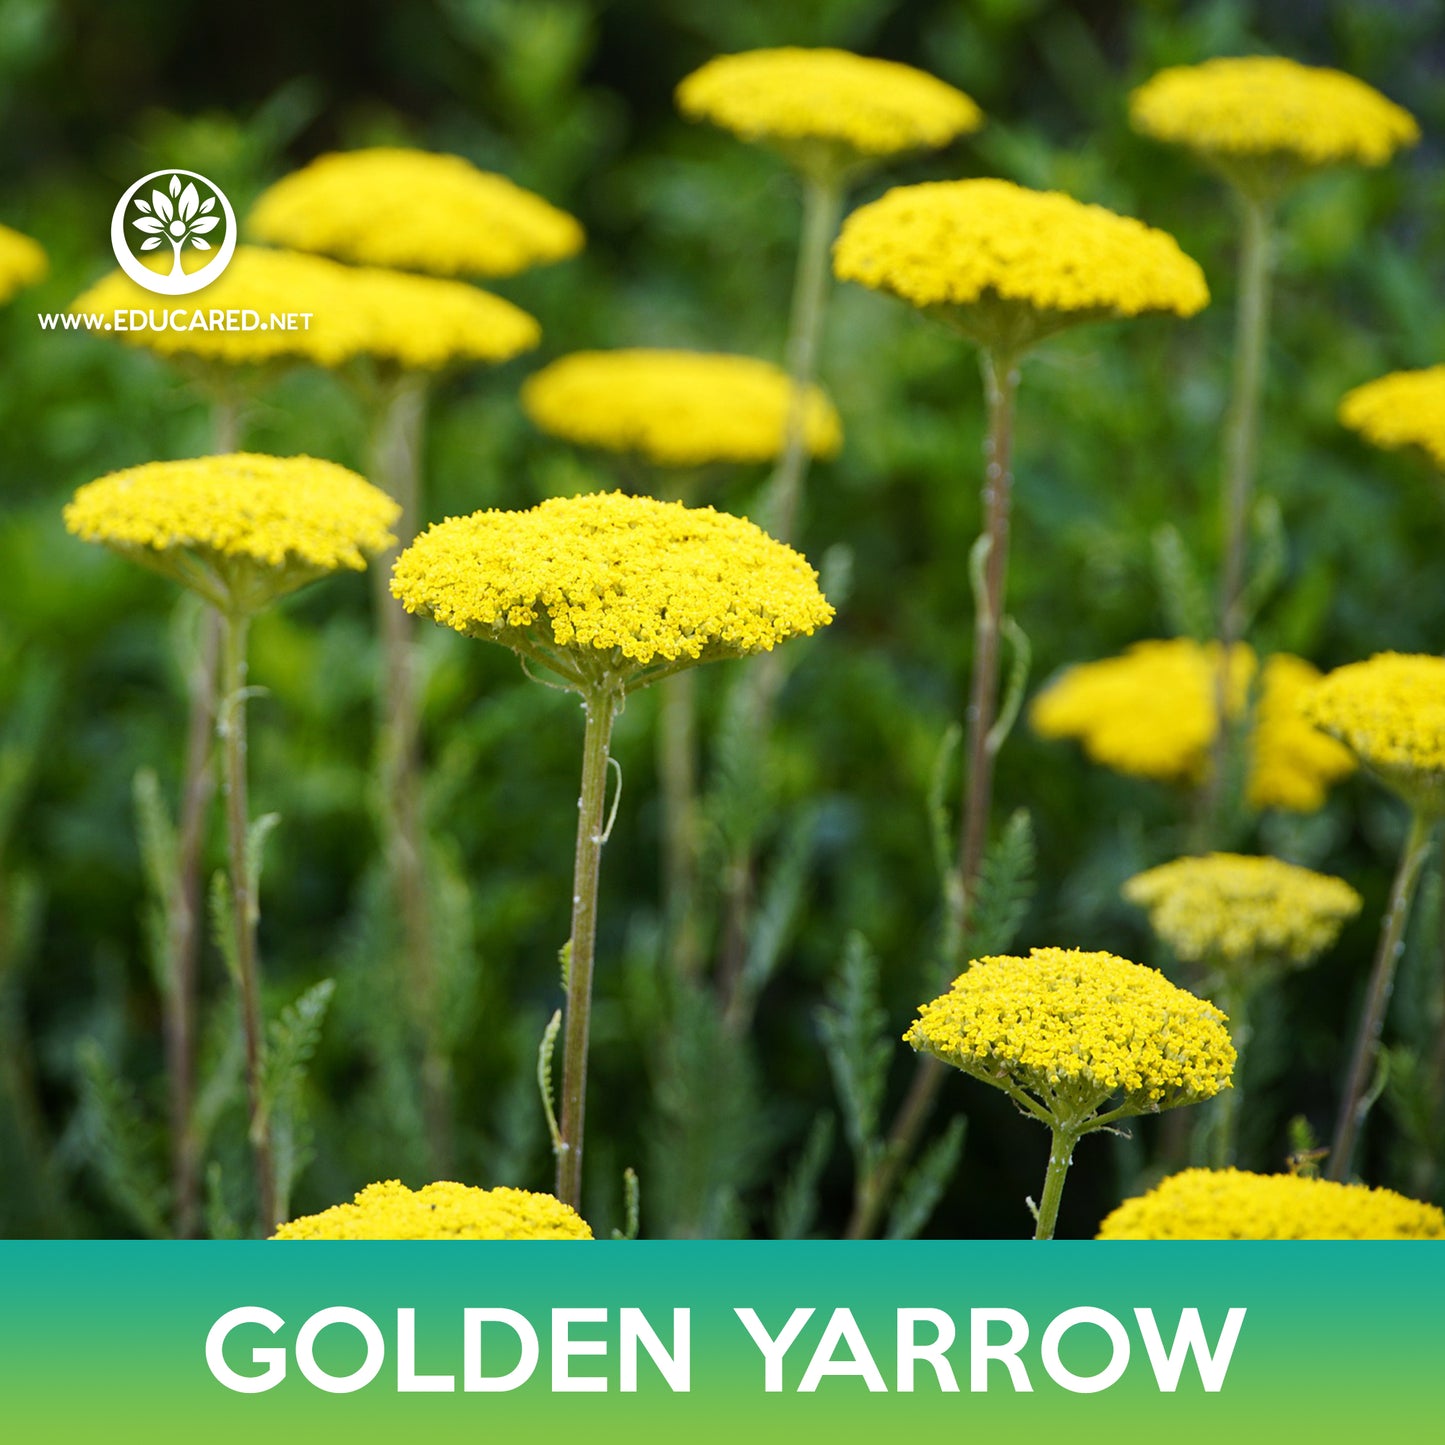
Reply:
x=692, y=239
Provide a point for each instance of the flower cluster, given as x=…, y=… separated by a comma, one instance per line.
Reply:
x=1406, y=408
x=959, y=247
x=614, y=581
x=676, y=408
x=1391, y=711
x=1152, y=713
x=1233, y=1204
x=390, y=1210
x=1231, y=911
x=1265, y=106
x=871, y=107
x=414, y=210
x=415, y=322
x=1074, y=1030
x=22, y=262
x=231, y=516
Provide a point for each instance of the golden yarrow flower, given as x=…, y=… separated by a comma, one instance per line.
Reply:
x=1079, y=1034
x=1390, y=711
x=1151, y=713
x=1255, y=109
x=389, y=1210
x=1404, y=409
x=413, y=322
x=612, y=584
x=827, y=108
x=416, y=211
x=1233, y=1204
x=1008, y=266
x=22, y=263
x=241, y=529
x=1232, y=912
x=676, y=408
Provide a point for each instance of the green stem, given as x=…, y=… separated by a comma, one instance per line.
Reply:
x=1061, y=1155
x=396, y=467
x=1355, y=1104
x=245, y=907
x=1235, y=999
x=600, y=705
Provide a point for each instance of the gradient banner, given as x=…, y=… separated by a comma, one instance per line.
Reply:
x=635, y=1342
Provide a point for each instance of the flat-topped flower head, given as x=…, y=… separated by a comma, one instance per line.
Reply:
x=1008, y=266
x=1078, y=1038
x=1234, y=1204
x=301, y=308
x=827, y=110
x=241, y=529
x=676, y=408
x=22, y=263
x=1390, y=710
x=612, y=589
x=1235, y=913
x=1404, y=409
x=416, y=211
x=1151, y=713
x=389, y=1210
x=1264, y=120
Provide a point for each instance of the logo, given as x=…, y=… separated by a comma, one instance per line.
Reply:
x=179, y=210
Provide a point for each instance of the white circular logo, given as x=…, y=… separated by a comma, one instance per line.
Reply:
x=180, y=210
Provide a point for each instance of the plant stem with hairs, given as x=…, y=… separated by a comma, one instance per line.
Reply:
x=1061, y=1156
x=983, y=740
x=1355, y=1103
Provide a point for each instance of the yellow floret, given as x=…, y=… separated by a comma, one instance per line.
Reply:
x=1258, y=107
x=416, y=211
x=676, y=408
x=1233, y=1204
x=389, y=1210
x=1075, y=1031
x=414, y=322
x=612, y=583
x=1404, y=409
x=872, y=108
x=1292, y=764
x=1231, y=911
x=22, y=262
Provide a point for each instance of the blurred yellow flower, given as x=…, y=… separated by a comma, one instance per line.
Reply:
x=1229, y=911
x=820, y=104
x=609, y=583
x=22, y=262
x=1009, y=265
x=1233, y=1204
x=1266, y=107
x=414, y=210
x=1075, y=1031
x=1406, y=408
x=390, y=1210
x=675, y=408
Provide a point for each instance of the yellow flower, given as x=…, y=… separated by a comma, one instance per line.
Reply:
x=1233, y=1204
x=1265, y=108
x=1231, y=911
x=390, y=1210
x=1073, y=1031
x=415, y=322
x=827, y=106
x=675, y=408
x=22, y=262
x=416, y=211
x=1406, y=408
x=240, y=529
x=608, y=585
x=1008, y=265
x=1152, y=713
x=1391, y=711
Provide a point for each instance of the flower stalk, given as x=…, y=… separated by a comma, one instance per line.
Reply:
x=1061, y=1156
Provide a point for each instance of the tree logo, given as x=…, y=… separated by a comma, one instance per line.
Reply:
x=179, y=210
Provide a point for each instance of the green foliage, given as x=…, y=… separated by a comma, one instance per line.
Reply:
x=923, y=1185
